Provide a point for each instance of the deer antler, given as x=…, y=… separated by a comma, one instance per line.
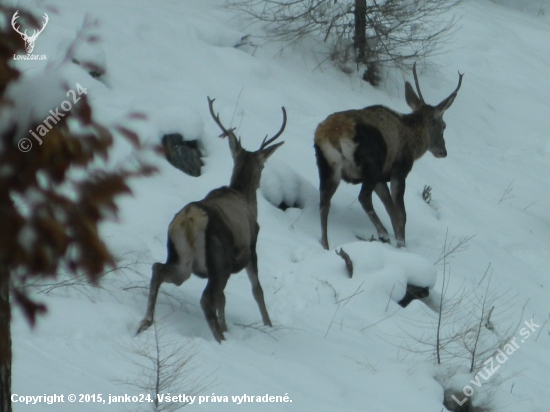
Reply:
x=13, y=19
x=417, y=84
x=216, y=117
x=268, y=142
x=459, y=83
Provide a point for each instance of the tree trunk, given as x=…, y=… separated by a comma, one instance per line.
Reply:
x=5, y=341
x=359, y=39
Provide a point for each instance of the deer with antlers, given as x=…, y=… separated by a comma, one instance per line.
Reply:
x=216, y=237
x=374, y=146
x=29, y=40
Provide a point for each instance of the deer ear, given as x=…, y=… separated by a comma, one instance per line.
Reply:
x=265, y=153
x=412, y=99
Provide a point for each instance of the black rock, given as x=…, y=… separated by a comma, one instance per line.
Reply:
x=183, y=154
x=414, y=292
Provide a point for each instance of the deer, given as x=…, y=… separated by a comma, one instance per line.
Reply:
x=29, y=40
x=375, y=146
x=216, y=237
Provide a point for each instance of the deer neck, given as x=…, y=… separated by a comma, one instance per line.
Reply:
x=416, y=136
x=247, y=186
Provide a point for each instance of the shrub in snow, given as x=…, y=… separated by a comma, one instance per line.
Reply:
x=460, y=395
x=365, y=34
x=165, y=371
x=465, y=340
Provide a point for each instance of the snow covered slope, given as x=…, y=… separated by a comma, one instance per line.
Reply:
x=337, y=343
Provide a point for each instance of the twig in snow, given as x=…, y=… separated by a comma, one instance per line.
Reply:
x=544, y=324
x=389, y=298
x=347, y=259
x=332, y=320
x=364, y=239
x=506, y=195
x=528, y=206
x=357, y=292
x=449, y=249
x=258, y=328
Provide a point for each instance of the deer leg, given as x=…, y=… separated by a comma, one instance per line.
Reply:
x=327, y=191
x=365, y=198
x=176, y=270
x=209, y=303
x=156, y=280
x=220, y=303
x=219, y=263
x=257, y=291
x=383, y=193
x=329, y=179
x=399, y=218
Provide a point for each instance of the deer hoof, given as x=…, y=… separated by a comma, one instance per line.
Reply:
x=267, y=321
x=400, y=243
x=384, y=238
x=219, y=337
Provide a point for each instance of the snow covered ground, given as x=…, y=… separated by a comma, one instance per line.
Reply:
x=337, y=343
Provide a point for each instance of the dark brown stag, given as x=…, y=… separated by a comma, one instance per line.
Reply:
x=216, y=236
x=374, y=146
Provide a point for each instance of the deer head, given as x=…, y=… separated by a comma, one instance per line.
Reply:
x=248, y=166
x=29, y=40
x=434, y=114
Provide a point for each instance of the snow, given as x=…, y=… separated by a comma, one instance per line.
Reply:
x=337, y=343
x=282, y=184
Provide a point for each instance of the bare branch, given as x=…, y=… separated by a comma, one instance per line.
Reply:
x=396, y=32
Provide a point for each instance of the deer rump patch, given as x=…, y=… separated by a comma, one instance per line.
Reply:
x=354, y=150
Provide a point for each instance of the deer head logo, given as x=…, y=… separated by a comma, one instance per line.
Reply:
x=29, y=40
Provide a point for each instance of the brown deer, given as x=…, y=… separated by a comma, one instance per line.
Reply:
x=376, y=145
x=216, y=237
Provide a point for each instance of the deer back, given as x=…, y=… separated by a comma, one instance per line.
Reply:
x=377, y=137
x=223, y=214
x=375, y=134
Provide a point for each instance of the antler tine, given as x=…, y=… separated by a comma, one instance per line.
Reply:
x=216, y=117
x=46, y=19
x=13, y=19
x=459, y=82
x=417, y=84
x=280, y=132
